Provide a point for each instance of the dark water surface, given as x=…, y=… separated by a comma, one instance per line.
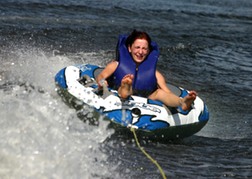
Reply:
x=205, y=46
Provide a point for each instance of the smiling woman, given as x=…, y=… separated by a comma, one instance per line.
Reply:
x=135, y=72
x=139, y=50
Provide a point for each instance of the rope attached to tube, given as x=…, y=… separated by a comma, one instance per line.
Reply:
x=146, y=154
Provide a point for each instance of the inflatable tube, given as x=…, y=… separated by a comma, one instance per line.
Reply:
x=151, y=118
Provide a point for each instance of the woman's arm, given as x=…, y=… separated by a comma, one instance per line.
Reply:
x=107, y=72
x=161, y=82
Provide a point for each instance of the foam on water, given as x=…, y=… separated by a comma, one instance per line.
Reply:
x=40, y=135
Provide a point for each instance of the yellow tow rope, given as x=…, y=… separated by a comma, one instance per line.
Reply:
x=146, y=154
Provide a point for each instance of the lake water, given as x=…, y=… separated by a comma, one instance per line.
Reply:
x=205, y=46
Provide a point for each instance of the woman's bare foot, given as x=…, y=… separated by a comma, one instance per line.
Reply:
x=125, y=90
x=188, y=100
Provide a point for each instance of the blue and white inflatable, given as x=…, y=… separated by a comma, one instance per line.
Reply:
x=151, y=118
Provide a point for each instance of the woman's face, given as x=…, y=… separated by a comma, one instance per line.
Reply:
x=139, y=50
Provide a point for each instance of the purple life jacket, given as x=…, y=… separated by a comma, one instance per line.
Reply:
x=144, y=82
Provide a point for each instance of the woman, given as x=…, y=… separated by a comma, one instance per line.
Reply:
x=134, y=72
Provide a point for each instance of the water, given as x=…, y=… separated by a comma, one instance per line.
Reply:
x=205, y=46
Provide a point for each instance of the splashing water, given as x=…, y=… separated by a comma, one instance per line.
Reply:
x=40, y=135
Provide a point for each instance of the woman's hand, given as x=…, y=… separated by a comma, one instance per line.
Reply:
x=102, y=82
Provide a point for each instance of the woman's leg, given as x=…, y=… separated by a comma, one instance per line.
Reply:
x=170, y=99
x=125, y=90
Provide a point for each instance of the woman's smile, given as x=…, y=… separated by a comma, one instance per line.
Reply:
x=139, y=50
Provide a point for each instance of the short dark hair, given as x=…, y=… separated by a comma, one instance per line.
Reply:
x=138, y=35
